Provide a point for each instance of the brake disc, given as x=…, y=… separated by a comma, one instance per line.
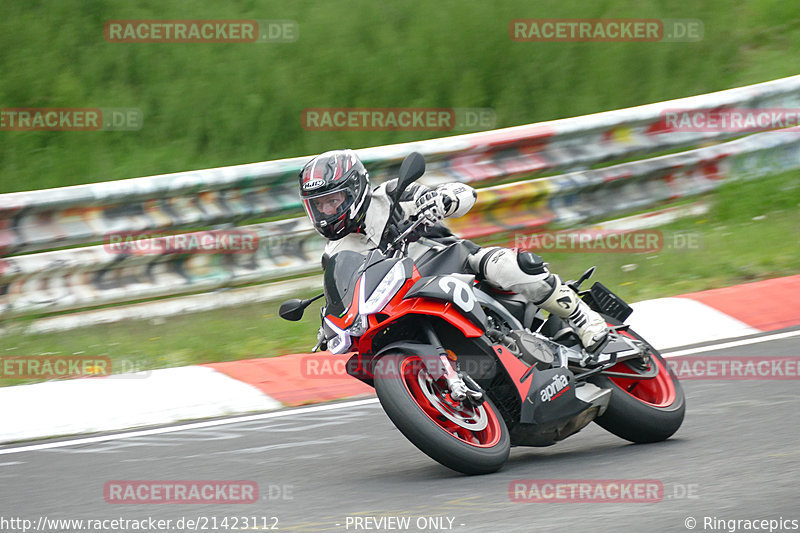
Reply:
x=477, y=422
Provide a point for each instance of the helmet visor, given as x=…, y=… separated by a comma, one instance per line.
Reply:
x=326, y=209
x=328, y=204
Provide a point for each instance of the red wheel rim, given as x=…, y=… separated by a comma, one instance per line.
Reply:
x=658, y=391
x=485, y=438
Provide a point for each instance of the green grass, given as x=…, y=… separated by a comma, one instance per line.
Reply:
x=209, y=105
x=751, y=233
x=222, y=335
x=719, y=255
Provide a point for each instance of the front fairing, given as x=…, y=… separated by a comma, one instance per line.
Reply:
x=343, y=272
x=339, y=281
x=349, y=281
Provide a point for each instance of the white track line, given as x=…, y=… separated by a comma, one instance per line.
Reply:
x=326, y=407
x=186, y=427
x=733, y=344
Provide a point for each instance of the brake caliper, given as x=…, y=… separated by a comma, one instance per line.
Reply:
x=459, y=391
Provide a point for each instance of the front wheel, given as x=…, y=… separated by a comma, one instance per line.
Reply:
x=471, y=440
x=642, y=410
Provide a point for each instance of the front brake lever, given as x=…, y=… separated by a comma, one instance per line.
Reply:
x=405, y=234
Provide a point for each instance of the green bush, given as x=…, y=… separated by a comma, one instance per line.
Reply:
x=208, y=105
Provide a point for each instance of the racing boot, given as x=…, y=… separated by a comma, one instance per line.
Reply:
x=587, y=323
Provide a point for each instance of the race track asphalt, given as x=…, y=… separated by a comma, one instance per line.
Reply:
x=737, y=456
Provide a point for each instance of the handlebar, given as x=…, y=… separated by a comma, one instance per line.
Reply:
x=401, y=238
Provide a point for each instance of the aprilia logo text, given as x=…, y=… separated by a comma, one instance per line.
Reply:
x=555, y=389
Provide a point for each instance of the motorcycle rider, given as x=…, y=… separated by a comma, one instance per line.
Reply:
x=346, y=210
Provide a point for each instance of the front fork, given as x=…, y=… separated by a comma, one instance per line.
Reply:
x=461, y=385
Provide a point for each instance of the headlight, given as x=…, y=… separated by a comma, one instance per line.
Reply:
x=385, y=291
x=341, y=342
x=359, y=326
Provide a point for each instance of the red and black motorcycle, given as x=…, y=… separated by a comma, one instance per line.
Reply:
x=466, y=371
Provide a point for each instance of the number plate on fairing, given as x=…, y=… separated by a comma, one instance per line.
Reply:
x=456, y=289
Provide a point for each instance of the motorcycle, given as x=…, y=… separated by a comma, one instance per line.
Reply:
x=466, y=371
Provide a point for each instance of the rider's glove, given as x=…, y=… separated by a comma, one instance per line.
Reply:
x=433, y=206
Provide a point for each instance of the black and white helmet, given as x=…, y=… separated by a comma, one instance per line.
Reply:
x=336, y=193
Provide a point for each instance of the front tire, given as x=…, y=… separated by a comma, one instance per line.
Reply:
x=643, y=411
x=465, y=439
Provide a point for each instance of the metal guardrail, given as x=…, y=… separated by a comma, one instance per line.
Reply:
x=78, y=278
x=95, y=275
x=82, y=214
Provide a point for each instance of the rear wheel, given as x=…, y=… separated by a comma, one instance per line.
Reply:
x=463, y=437
x=642, y=410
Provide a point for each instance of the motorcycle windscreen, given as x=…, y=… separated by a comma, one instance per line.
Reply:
x=339, y=282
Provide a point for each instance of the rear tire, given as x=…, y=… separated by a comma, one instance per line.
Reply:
x=407, y=393
x=643, y=411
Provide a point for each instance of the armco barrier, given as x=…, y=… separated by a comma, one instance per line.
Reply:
x=54, y=218
x=97, y=275
x=90, y=276
x=83, y=277
x=591, y=195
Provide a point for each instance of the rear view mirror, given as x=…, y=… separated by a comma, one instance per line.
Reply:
x=412, y=167
x=292, y=309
